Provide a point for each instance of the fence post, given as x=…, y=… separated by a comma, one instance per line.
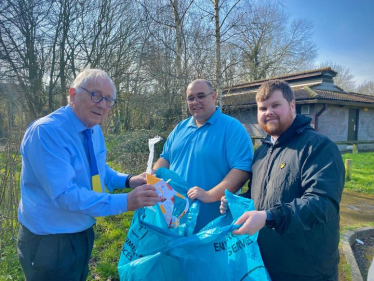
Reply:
x=354, y=148
x=348, y=169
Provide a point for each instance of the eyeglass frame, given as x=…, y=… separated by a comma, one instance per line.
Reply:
x=102, y=98
x=202, y=97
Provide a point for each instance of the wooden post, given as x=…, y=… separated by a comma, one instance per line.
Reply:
x=354, y=148
x=348, y=169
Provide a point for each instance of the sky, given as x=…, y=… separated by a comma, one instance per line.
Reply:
x=343, y=32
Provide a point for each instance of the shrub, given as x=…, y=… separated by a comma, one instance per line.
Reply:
x=129, y=152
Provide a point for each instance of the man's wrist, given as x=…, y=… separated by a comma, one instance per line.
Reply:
x=127, y=182
x=270, y=219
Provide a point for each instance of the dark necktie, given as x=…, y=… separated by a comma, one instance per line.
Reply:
x=96, y=184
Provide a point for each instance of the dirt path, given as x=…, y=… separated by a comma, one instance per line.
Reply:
x=356, y=210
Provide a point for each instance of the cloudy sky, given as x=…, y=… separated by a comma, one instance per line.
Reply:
x=343, y=32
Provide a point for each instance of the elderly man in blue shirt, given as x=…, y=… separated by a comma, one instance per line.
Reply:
x=210, y=150
x=58, y=204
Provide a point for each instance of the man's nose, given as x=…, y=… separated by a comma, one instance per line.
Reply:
x=269, y=111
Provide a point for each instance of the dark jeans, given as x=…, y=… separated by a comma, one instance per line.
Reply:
x=56, y=256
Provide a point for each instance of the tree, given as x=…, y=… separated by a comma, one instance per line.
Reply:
x=366, y=88
x=219, y=18
x=61, y=17
x=269, y=45
x=151, y=49
x=163, y=17
x=219, y=30
x=23, y=50
x=344, y=77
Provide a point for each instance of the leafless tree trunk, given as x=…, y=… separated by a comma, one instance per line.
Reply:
x=222, y=26
x=22, y=49
x=178, y=54
x=218, y=51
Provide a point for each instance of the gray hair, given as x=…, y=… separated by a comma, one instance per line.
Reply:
x=96, y=75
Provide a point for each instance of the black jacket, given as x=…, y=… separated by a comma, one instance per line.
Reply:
x=300, y=179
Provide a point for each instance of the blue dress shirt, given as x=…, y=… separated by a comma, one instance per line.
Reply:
x=56, y=191
x=203, y=156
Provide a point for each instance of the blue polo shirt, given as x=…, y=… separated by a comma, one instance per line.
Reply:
x=56, y=192
x=204, y=155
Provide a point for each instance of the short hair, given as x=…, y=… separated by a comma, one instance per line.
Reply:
x=268, y=88
x=95, y=75
x=210, y=86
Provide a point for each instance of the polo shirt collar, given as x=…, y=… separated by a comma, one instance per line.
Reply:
x=212, y=119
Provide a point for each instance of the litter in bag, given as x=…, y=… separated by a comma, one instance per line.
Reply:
x=172, y=205
x=152, y=252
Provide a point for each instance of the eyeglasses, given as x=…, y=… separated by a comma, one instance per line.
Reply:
x=96, y=97
x=200, y=97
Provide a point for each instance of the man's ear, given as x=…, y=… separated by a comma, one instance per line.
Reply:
x=214, y=96
x=293, y=106
x=72, y=94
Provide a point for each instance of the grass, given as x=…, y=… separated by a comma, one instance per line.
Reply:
x=362, y=179
x=110, y=235
x=10, y=268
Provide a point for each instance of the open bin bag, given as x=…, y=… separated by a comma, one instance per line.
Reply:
x=152, y=251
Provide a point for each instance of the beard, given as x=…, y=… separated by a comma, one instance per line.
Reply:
x=279, y=127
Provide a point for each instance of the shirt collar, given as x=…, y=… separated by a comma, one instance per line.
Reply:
x=212, y=119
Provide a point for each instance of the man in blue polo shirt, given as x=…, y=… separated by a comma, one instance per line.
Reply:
x=210, y=150
x=59, y=200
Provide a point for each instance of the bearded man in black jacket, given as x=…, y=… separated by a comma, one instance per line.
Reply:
x=296, y=184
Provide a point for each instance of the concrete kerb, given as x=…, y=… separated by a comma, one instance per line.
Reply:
x=348, y=239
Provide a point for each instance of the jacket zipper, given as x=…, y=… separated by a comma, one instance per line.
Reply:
x=264, y=182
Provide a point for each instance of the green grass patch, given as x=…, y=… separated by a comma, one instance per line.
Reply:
x=362, y=179
x=10, y=268
x=356, y=226
x=110, y=235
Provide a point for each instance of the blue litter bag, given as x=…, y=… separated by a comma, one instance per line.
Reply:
x=152, y=252
x=244, y=261
x=140, y=241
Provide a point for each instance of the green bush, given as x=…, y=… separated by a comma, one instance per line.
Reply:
x=129, y=152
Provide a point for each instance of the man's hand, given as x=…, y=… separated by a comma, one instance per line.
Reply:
x=144, y=195
x=199, y=193
x=135, y=181
x=253, y=222
x=224, y=206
